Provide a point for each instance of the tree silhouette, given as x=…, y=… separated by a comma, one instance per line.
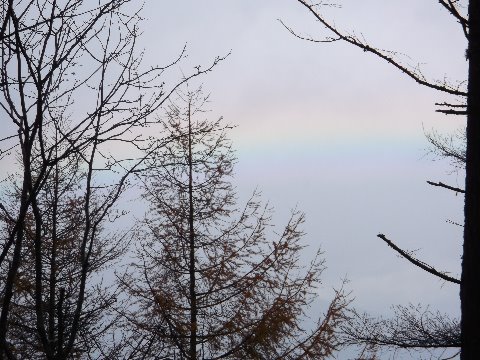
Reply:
x=209, y=282
x=72, y=88
x=61, y=204
x=467, y=15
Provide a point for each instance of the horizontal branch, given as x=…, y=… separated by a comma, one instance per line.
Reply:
x=452, y=112
x=393, y=342
x=454, y=223
x=417, y=262
x=411, y=327
x=440, y=184
x=451, y=105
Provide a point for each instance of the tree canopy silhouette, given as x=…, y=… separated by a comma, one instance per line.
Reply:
x=72, y=87
x=212, y=280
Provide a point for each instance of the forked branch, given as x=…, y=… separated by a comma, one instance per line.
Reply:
x=452, y=7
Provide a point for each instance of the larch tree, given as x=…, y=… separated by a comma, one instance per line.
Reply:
x=61, y=207
x=212, y=280
x=72, y=88
x=467, y=14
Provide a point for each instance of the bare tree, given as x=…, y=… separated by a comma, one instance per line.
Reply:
x=467, y=14
x=72, y=89
x=411, y=327
x=209, y=283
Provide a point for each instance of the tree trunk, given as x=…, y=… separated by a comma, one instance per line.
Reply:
x=193, y=295
x=470, y=282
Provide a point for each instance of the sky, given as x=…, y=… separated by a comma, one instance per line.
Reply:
x=333, y=131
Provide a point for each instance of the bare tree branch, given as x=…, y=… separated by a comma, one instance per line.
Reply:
x=458, y=190
x=355, y=41
x=416, y=262
x=451, y=6
x=411, y=327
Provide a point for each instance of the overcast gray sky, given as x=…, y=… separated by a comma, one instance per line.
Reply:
x=334, y=131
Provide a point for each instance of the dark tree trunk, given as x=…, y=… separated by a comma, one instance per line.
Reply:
x=193, y=294
x=470, y=282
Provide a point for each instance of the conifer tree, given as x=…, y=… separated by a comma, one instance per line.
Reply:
x=211, y=280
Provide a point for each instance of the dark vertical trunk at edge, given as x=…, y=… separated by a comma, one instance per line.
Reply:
x=470, y=282
x=16, y=237
x=193, y=295
x=53, y=260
